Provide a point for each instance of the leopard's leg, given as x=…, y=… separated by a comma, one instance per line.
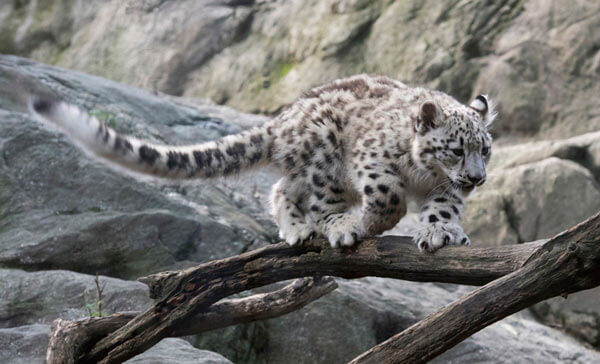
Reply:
x=329, y=208
x=383, y=198
x=440, y=215
x=286, y=198
x=381, y=195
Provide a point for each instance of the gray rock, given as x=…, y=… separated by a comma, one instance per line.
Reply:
x=94, y=219
x=177, y=351
x=519, y=340
x=536, y=190
x=43, y=296
x=364, y=312
x=62, y=209
x=30, y=301
x=579, y=314
x=27, y=344
x=583, y=149
x=24, y=344
x=261, y=55
x=531, y=201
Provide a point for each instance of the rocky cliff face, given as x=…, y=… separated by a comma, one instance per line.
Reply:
x=65, y=215
x=540, y=59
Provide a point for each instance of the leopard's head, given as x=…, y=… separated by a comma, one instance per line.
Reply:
x=453, y=139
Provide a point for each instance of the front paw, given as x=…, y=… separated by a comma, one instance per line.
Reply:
x=344, y=230
x=435, y=236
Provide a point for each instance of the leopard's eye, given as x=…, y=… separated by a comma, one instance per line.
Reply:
x=485, y=150
x=458, y=152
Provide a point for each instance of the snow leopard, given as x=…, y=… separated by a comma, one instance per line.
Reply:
x=350, y=153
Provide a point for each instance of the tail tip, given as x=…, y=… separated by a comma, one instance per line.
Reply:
x=41, y=106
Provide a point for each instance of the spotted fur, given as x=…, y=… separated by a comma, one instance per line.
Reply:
x=351, y=152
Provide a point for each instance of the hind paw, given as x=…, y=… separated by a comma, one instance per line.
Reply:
x=297, y=234
x=345, y=230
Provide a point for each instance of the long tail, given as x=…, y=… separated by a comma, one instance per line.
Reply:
x=228, y=155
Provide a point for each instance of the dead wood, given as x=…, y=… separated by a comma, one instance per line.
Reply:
x=567, y=263
x=522, y=275
x=70, y=339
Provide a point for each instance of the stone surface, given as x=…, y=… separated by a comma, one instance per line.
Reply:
x=62, y=209
x=24, y=344
x=539, y=59
x=531, y=201
x=177, y=351
x=579, y=314
x=27, y=344
x=43, y=296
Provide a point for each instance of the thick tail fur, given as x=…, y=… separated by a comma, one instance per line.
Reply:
x=226, y=156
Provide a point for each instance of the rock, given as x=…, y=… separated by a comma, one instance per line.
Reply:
x=540, y=61
x=489, y=220
x=27, y=344
x=548, y=197
x=24, y=344
x=364, y=312
x=177, y=351
x=43, y=296
x=155, y=26
x=32, y=300
x=531, y=201
x=518, y=340
x=536, y=190
x=96, y=219
x=583, y=149
x=579, y=315
x=552, y=61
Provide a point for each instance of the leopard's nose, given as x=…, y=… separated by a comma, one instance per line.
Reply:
x=477, y=179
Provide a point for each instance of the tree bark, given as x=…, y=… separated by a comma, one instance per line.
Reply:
x=395, y=257
x=542, y=269
x=568, y=263
x=69, y=340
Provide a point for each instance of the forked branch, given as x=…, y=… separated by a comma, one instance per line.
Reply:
x=70, y=339
x=567, y=263
x=534, y=271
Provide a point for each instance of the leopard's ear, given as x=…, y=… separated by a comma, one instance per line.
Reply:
x=486, y=108
x=428, y=117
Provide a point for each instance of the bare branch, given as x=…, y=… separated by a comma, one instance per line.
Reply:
x=195, y=289
x=257, y=307
x=567, y=263
x=68, y=340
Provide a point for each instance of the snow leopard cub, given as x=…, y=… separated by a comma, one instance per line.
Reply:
x=350, y=152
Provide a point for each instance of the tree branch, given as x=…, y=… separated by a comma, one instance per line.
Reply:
x=395, y=257
x=567, y=263
x=541, y=269
x=69, y=340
